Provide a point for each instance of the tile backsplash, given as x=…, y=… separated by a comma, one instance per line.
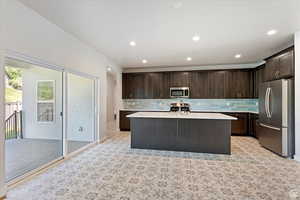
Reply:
x=196, y=104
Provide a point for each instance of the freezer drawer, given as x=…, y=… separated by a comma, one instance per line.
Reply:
x=270, y=139
x=275, y=139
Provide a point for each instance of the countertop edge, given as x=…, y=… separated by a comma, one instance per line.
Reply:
x=182, y=116
x=206, y=111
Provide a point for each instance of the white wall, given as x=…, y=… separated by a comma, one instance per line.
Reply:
x=297, y=94
x=28, y=33
x=32, y=128
x=111, y=87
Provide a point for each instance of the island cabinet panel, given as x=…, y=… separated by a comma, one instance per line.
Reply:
x=203, y=136
x=280, y=65
x=154, y=134
x=238, y=84
x=124, y=122
x=199, y=137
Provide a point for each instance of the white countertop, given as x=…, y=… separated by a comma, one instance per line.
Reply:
x=178, y=115
x=212, y=111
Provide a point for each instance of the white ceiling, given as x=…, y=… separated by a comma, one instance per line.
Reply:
x=163, y=33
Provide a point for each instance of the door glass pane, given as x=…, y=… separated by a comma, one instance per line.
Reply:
x=33, y=126
x=81, y=112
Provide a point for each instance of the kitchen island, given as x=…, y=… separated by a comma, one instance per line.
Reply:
x=175, y=131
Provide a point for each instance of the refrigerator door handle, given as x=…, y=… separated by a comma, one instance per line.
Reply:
x=267, y=102
x=271, y=127
x=269, y=97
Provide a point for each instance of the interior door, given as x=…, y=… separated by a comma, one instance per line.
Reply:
x=263, y=114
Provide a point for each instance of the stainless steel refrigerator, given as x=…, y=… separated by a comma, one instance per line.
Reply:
x=276, y=117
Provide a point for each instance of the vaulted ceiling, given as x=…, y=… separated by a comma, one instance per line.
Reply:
x=163, y=29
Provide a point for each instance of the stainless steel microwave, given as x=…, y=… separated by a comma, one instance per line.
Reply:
x=180, y=92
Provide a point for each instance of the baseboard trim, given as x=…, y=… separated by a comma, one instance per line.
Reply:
x=297, y=158
x=3, y=191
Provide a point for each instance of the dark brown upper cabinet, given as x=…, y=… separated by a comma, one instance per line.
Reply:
x=238, y=84
x=216, y=85
x=202, y=84
x=199, y=88
x=258, y=79
x=133, y=85
x=286, y=64
x=156, y=85
x=180, y=79
x=280, y=65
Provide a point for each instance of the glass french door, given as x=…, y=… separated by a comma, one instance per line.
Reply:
x=80, y=112
x=49, y=114
x=33, y=112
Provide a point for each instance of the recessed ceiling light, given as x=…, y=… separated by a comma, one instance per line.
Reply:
x=238, y=56
x=132, y=43
x=196, y=38
x=109, y=69
x=144, y=61
x=188, y=58
x=272, y=32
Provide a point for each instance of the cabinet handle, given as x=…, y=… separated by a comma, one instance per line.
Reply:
x=277, y=74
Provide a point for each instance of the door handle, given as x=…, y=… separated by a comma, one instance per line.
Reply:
x=269, y=105
x=267, y=102
x=270, y=127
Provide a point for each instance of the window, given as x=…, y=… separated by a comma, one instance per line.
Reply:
x=45, y=101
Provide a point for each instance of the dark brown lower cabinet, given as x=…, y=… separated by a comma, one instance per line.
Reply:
x=253, y=125
x=124, y=121
x=239, y=126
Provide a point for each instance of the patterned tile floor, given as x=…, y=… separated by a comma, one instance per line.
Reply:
x=112, y=171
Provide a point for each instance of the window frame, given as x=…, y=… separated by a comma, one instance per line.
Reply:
x=53, y=101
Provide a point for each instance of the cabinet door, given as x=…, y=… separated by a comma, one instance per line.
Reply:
x=199, y=88
x=125, y=86
x=258, y=79
x=240, y=126
x=166, y=85
x=272, y=69
x=180, y=79
x=154, y=88
x=286, y=64
x=124, y=122
x=134, y=85
x=216, y=84
x=238, y=84
x=252, y=124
